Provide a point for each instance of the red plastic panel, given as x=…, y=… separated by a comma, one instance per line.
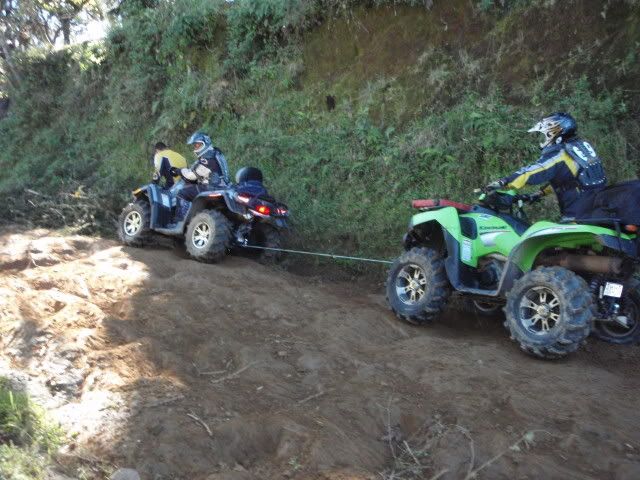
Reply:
x=433, y=203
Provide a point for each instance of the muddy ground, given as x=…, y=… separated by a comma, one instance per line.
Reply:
x=238, y=371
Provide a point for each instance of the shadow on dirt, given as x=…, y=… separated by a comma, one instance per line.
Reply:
x=268, y=374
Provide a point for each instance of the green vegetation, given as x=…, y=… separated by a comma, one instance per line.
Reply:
x=27, y=438
x=428, y=102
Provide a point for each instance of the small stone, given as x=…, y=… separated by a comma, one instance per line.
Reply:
x=282, y=353
x=125, y=474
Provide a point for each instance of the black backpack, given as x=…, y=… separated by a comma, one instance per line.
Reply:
x=621, y=201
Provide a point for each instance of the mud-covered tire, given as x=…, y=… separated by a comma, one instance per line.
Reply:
x=435, y=291
x=570, y=309
x=208, y=236
x=134, y=222
x=617, y=334
x=265, y=235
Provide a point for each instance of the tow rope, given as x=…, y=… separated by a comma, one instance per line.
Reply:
x=318, y=254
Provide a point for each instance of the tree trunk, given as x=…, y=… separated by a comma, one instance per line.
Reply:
x=13, y=75
x=66, y=30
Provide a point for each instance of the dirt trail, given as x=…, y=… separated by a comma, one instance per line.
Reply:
x=237, y=371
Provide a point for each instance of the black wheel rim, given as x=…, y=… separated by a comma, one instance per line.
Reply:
x=615, y=329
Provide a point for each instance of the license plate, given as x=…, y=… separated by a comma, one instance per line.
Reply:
x=612, y=290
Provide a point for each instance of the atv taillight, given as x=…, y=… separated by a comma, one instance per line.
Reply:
x=263, y=210
x=631, y=228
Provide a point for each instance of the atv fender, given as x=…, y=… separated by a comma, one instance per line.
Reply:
x=215, y=199
x=159, y=201
x=436, y=228
x=545, y=235
x=440, y=229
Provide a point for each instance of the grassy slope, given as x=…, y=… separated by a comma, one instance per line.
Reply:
x=429, y=102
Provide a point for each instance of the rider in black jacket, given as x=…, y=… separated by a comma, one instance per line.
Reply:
x=568, y=164
x=210, y=171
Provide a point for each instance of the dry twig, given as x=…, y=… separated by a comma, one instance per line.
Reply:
x=311, y=397
x=164, y=401
x=233, y=374
x=527, y=438
x=201, y=422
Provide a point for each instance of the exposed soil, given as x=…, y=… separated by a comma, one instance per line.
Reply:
x=238, y=371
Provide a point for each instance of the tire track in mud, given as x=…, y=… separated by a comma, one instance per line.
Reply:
x=295, y=377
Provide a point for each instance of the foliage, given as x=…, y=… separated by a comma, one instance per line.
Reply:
x=26, y=24
x=27, y=438
x=410, y=119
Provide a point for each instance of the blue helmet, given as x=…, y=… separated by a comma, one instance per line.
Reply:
x=200, y=138
x=555, y=127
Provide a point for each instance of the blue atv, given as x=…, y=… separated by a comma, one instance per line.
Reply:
x=239, y=215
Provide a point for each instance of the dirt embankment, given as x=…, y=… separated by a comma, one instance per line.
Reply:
x=237, y=371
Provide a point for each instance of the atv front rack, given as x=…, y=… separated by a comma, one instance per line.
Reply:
x=440, y=203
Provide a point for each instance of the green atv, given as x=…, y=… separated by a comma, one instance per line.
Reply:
x=557, y=282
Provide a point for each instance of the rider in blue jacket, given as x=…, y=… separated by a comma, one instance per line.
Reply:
x=568, y=165
x=208, y=172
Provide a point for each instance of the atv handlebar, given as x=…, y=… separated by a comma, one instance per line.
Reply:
x=530, y=197
x=516, y=197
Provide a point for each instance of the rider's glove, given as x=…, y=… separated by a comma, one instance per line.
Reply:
x=496, y=184
x=155, y=178
x=175, y=172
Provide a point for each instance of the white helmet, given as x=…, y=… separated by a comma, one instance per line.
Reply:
x=555, y=126
x=201, y=143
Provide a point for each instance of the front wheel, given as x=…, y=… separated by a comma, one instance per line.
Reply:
x=619, y=334
x=417, y=286
x=133, y=223
x=549, y=312
x=208, y=236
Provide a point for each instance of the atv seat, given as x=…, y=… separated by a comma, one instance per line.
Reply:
x=607, y=222
x=440, y=203
x=251, y=187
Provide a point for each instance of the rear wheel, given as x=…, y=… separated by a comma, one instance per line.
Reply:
x=417, y=286
x=133, y=224
x=208, y=236
x=616, y=333
x=549, y=312
x=264, y=235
